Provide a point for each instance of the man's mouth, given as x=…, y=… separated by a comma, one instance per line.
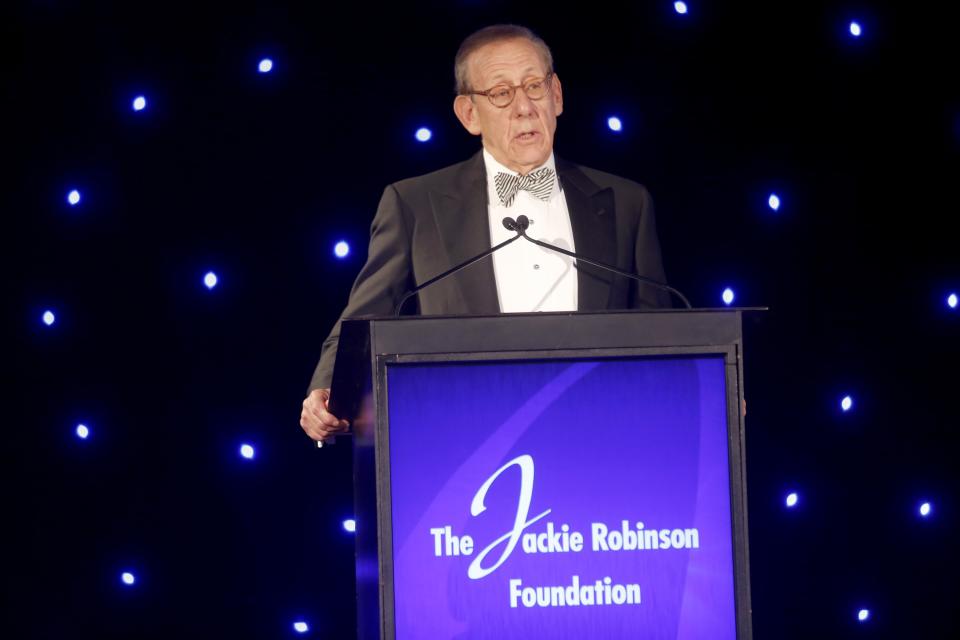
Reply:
x=526, y=136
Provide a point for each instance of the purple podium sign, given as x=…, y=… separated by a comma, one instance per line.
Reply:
x=561, y=499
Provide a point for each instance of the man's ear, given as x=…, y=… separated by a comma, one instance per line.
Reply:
x=556, y=93
x=466, y=111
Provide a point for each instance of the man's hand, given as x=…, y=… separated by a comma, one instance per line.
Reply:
x=316, y=421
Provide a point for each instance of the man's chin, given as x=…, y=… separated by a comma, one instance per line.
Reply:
x=530, y=159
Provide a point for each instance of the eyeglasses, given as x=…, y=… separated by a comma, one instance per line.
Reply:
x=502, y=95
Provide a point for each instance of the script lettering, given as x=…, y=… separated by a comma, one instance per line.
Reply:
x=525, y=462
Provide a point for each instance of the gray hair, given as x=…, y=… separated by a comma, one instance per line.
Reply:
x=489, y=35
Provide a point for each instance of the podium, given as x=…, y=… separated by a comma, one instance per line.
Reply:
x=548, y=475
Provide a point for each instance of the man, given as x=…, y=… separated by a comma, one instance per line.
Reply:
x=508, y=94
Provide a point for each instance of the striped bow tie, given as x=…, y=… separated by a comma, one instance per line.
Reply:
x=538, y=183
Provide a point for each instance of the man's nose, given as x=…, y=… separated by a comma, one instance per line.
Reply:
x=522, y=104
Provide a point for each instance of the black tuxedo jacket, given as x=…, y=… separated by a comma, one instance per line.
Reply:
x=425, y=225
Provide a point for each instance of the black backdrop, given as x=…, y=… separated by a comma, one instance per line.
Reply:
x=256, y=176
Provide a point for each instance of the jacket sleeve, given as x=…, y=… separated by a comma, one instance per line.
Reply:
x=385, y=277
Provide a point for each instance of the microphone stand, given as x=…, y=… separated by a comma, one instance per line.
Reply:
x=521, y=224
x=453, y=270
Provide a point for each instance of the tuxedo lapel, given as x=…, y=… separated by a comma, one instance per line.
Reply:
x=462, y=221
x=594, y=234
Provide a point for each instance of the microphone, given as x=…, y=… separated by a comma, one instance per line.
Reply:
x=522, y=223
x=509, y=223
x=519, y=225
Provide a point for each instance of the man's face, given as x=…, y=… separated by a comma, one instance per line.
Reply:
x=520, y=135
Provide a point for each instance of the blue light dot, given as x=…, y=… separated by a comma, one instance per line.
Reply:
x=301, y=627
x=139, y=103
x=265, y=66
x=423, y=134
x=341, y=249
x=247, y=451
x=952, y=301
x=350, y=525
x=792, y=500
x=680, y=7
x=128, y=578
x=49, y=318
x=925, y=509
x=855, y=30
x=774, y=201
x=863, y=615
x=728, y=296
x=210, y=280
x=83, y=432
x=615, y=124
x=847, y=403
x=73, y=198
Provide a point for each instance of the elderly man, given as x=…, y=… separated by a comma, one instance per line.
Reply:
x=509, y=95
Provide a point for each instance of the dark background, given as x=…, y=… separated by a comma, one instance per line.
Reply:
x=257, y=176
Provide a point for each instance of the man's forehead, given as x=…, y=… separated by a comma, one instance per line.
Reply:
x=507, y=59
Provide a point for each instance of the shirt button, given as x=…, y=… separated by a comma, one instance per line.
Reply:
x=536, y=266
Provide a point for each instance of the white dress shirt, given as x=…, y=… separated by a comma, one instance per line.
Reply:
x=532, y=278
